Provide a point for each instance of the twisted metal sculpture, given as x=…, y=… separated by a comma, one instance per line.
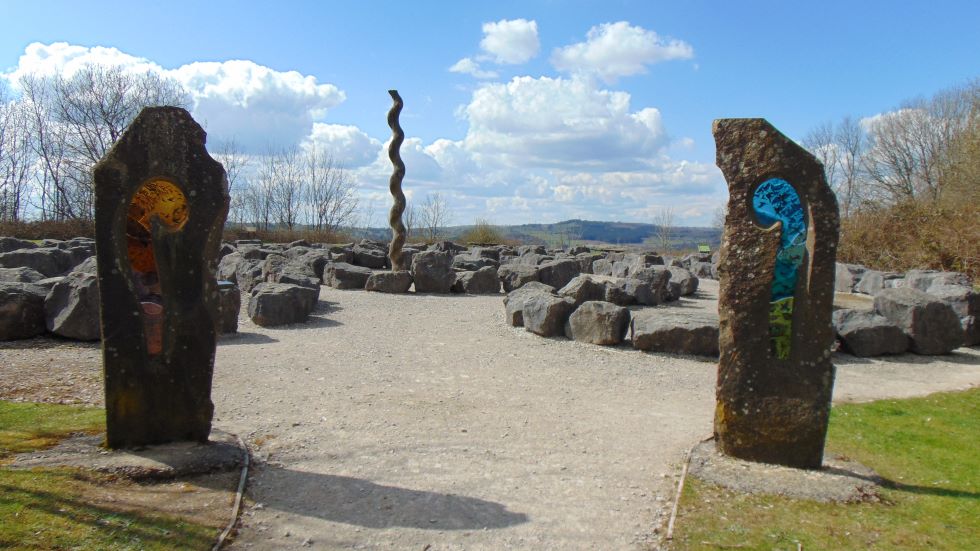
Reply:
x=395, y=184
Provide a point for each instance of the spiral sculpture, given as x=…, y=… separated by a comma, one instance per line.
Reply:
x=395, y=184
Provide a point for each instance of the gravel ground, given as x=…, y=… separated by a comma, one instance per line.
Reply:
x=425, y=422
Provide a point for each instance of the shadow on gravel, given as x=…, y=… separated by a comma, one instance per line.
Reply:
x=241, y=337
x=965, y=356
x=363, y=503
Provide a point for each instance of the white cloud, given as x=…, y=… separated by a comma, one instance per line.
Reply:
x=469, y=67
x=511, y=42
x=614, y=50
x=559, y=122
x=256, y=105
x=348, y=145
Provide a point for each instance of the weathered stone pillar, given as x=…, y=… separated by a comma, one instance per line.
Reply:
x=160, y=205
x=778, y=253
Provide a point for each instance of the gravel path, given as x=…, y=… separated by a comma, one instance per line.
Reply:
x=425, y=422
x=404, y=421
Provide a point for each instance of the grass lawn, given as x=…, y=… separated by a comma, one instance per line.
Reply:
x=43, y=508
x=927, y=450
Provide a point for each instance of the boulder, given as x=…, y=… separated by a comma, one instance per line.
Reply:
x=225, y=250
x=389, y=282
x=583, y=288
x=924, y=279
x=585, y=261
x=279, y=269
x=873, y=281
x=316, y=260
x=598, y=322
x=50, y=261
x=546, y=314
x=532, y=259
x=248, y=273
x=931, y=324
x=649, y=286
x=687, y=281
x=228, y=267
x=21, y=310
x=8, y=244
x=965, y=302
x=865, y=334
x=514, y=276
x=664, y=330
x=272, y=304
x=447, y=247
x=558, y=273
x=71, y=307
x=515, y=300
x=229, y=306
x=847, y=276
x=491, y=252
x=471, y=263
x=432, y=271
x=529, y=249
x=20, y=275
x=480, y=282
x=620, y=291
x=370, y=257
x=602, y=266
x=341, y=275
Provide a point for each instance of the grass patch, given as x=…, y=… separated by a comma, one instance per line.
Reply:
x=926, y=448
x=46, y=508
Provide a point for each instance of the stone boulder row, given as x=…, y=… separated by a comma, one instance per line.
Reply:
x=228, y=267
x=272, y=304
x=598, y=322
x=389, y=282
x=546, y=314
x=229, y=306
x=558, y=273
x=514, y=276
x=50, y=261
x=865, y=334
x=432, y=271
x=479, y=282
x=687, y=281
x=966, y=303
x=341, y=275
x=370, y=257
x=71, y=307
x=931, y=324
x=515, y=300
x=583, y=288
x=20, y=275
x=8, y=244
x=847, y=277
x=21, y=310
x=663, y=330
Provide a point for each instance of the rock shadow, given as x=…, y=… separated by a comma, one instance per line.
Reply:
x=242, y=337
x=364, y=503
x=958, y=356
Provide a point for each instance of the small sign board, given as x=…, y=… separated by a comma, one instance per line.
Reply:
x=704, y=249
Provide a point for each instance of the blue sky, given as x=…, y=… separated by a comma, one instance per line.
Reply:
x=555, y=110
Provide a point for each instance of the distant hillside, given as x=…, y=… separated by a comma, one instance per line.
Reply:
x=574, y=232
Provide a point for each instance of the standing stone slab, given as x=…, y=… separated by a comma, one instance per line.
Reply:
x=160, y=204
x=777, y=272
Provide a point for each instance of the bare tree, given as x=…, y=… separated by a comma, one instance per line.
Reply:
x=281, y=180
x=841, y=149
x=231, y=156
x=330, y=193
x=664, y=222
x=433, y=215
x=411, y=219
x=17, y=157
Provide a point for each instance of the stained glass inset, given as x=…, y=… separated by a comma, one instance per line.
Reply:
x=776, y=201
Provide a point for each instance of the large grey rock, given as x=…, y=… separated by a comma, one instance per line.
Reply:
x=272, y=304
x=558, y=273
x=515, y=300
x=8, y=244
x=432, y=271
x=480, y=282
x=248, y=273
x=866, y=334
x=228, y=267
x=21, y=275
x=370, y=257
x=586, y=259
x=341, y=275
x=279, y=269
x=528, y=249
x=532, y=259
x=873, y=281
x=229, y=306
x=598, y=322
x=71, y=308
x=931, y=324
x=21, y=310
x=447, y=247
x=650, y=285
x=924, y=279
x=546, y=315
x=966, y=303
x=315, y=259
x=687, y=281
x=665, y=330
x=602, y=266
x=621, y=291
x=583, y=288
x=514, y=276
x=847, y=277
x=389, y=282
x=471, y=263
x=50, y=261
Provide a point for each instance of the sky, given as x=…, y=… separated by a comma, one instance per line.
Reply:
x=531, y=111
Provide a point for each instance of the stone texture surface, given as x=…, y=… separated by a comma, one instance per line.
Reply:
x=432, y=271
x=21, y=310
x=389, y=282
x=50, y=261
x=164, y=397
x=515, y=300
x=583, y=288
x=21, y=274
x=773, y=410
x=667, y=330
x=866, y=334
x=931, y=324
x=513, y=276
x=341, y=275
x=272, y=304
x=545, y=314
x=483, y=281
x=558, y=273
x=71, y=309
x=598, y=322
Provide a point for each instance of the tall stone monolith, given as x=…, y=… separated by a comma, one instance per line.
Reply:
x=777, y=267
x=160, y=205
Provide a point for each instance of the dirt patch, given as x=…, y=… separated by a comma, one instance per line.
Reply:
x=55, y=371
